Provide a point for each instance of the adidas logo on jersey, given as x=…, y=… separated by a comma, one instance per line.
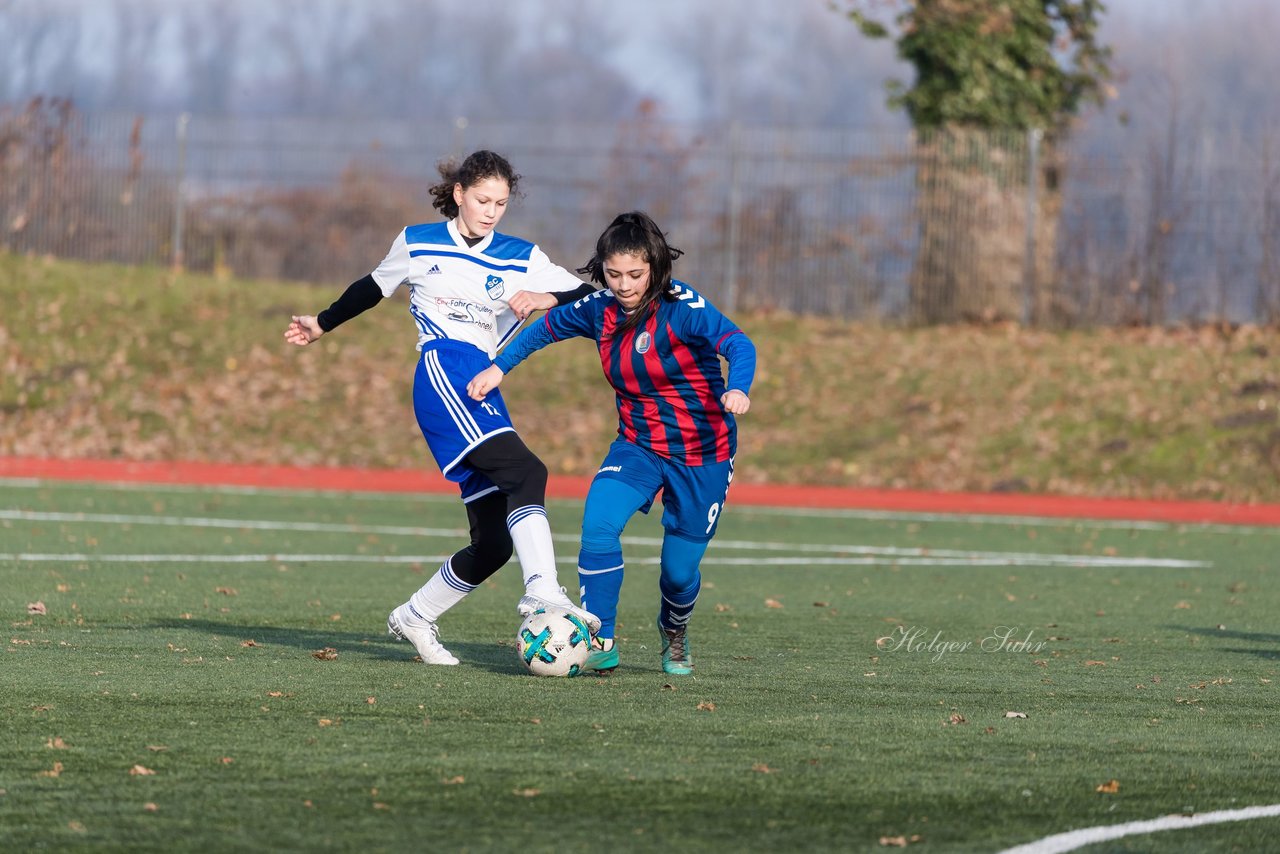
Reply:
x=435, y=270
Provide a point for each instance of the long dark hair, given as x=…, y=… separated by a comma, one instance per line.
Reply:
x=635, y=233
x=478, y=166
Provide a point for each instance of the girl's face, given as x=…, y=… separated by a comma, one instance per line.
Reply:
x=627, y=276
x=481, y=206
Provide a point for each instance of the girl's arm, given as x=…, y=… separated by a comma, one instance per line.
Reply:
x=530, y=340
x=525, y=303
x=360, y=296
x=569, y=321
x=740, y=352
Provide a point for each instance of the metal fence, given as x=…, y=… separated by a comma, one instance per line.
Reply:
x=879, y=226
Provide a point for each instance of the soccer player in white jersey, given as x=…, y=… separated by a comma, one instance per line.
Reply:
x=470, y=288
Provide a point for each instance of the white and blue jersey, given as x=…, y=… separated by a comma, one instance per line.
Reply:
x=460, y=292
x=458, y=298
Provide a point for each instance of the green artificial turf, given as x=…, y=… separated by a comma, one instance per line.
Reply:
x=856, y=673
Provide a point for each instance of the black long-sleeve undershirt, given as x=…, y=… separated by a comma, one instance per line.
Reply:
x=360, y=296
x=566, y=297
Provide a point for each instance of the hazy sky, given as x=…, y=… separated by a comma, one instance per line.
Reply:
x=755, y=61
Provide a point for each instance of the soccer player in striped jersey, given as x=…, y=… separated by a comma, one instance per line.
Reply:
x=660, y=344
x=469, y=289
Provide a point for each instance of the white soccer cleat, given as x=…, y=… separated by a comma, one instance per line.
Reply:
x=529, y=603
x=423, y=635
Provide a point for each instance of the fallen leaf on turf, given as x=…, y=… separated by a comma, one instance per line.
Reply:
x=899, y=841
x=956, y=719
x=527, y=793
x=378, y=805
x=275, y=693
x=370, y=700
x=761, y=768
x=1108, y=788
x=37, y=608
x=227, y=760
x=52, y=772
x=250, y=642
x=140, y=771
x=1095, y=663
x=151, y=807
x=326, y=654
x=453, y=781
x=156, y=748
x=1183, y=606
x=772, y=603
x=706, y=706
x=56, y=743
x=324, y=722
x=1015, y=714
x=226, y=591
x=821, y=604
x=667, y=686
x=720, y=608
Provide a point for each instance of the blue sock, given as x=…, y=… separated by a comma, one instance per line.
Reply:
x=600, y=574
x=680, y=582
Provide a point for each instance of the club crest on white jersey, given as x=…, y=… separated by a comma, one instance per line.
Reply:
x=494, y=287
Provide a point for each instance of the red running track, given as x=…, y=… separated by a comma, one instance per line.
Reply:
x=386, y=480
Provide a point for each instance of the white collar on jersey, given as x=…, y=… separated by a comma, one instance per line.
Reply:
x=461, y=241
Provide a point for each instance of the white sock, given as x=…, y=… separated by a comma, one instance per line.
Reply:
x=531, y=533
x=438, y=595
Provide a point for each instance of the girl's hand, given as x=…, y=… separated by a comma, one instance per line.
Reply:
x=303, y=330
x=525, y=303
x=735, y=402
x=484, y=382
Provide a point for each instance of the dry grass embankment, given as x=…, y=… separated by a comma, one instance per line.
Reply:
x=111, y=362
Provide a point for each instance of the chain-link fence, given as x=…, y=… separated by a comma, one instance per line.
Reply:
x=880, y=226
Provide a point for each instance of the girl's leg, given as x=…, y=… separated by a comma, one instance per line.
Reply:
x=610, y=504
x=489, y=549
x=692, y=498
x=522, y=478
x=681, y=580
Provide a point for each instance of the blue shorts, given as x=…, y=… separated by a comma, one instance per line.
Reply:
x=452, y=423
x=692, y=496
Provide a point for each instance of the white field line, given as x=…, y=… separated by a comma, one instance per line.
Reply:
x=224, y=489
x=985, y=519
x=737, y=509
x=281, y=557
x=1074, y=839
x=842, y=554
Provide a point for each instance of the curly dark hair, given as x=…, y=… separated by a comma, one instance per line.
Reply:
x=478, y=166
x=635, y=233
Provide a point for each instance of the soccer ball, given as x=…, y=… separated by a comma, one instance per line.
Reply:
x=553, y=642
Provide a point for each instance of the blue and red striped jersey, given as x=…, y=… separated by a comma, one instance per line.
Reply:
x=666, y=372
